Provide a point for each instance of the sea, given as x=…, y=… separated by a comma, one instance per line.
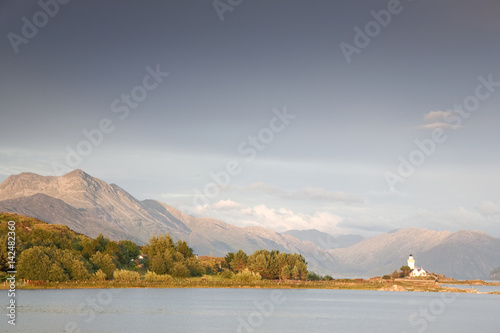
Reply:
x=247, y=310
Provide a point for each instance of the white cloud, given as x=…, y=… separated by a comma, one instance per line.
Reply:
x=283, y=219
x=488, y=209
x=226, y=204
x=278, y=219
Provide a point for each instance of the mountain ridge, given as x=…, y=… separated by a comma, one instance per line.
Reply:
x=91, y=206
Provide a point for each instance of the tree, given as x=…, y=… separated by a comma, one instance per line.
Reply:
x=129, y=250
x=240, y=261
x=79, y=271
x=395, y=274
x=184, y=249
x=180, y=270
x=405, y=270
x=103, y=262
x=195, y=267
x=227, y=260
x=159, y=245
x=56, y=273
x=286, y=272
x=302, y=267
x=34, y=264
x=159, y=263
x=312, y=276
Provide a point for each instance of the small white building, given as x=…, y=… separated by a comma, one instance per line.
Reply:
x=415, y=271
x=418, y=272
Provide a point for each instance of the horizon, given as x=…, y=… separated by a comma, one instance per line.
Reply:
x=348, y=118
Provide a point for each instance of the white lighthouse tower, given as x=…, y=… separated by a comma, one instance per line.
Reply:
x=411, y=262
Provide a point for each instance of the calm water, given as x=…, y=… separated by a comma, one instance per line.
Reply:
x=250, y=310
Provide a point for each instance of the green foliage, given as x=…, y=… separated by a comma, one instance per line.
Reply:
x=227, y=260
x=312, y=276
x=51, y=252
x=56, y=273
x=153, y=277
x=286, y=273
x=180, y=270
x=128, y=251
x=395, y=274
x=227, y=274
x=79, y=271
x=99, y=275
x=247, y=276
x=195, y=267
x=406, y=270
x=103, y=262
x=386, y=277
x=239, y=261
x=328, y=278
x=34, y=264
x=123, y=275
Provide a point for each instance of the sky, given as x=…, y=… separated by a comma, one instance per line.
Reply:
x=350, y=117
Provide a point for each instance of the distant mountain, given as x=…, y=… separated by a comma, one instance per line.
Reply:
x=325, y=240
x=463, y=255
x=91, y=206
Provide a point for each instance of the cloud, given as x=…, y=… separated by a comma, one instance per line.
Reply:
x=226, y=205
x=278, y=219
x=435, y=125
x=306, y=193
x=283, y=219
x=488, y=209
x=437, y=115
x=439, y=119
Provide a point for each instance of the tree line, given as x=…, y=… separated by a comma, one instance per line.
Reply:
x=52, y=252
x=270, y=265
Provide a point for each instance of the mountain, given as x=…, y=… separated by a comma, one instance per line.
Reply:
x=91, y=206
x=324, y=240
x=463, y=254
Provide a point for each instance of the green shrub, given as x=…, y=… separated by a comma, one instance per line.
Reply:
x=123, y=275
x=99, y=275
x=227, y=274
x=247, y=276
x=312, y=276
x=153, y=277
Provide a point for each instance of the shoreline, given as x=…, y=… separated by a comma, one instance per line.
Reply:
x=397, y=285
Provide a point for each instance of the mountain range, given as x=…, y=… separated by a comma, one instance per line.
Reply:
x=91, y=206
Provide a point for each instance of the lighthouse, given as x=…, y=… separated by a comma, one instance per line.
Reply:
x=411, y=262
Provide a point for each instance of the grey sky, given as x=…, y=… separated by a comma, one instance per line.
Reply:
x=326, y=169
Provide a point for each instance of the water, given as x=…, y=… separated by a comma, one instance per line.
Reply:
x=250, y=310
